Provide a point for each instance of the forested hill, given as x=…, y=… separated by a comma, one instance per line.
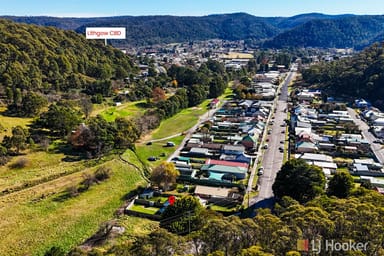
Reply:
x=313, y=29
x=349, y=31
x=35, y=58
x=361, y=76
x=168, y=29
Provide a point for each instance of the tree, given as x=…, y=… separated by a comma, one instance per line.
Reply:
x=126, y=133
x=32, y=103
x=164, y=175
x=245, y=81
x=59, y=118
x=254, y=251
x=184, y=215
x=158, y=242
x=86, y=106
x=55, y=251
x=216, y=87
x=272, y=232
x=196, y=94
x=219, y=235
x=340, y=185
x=102, y=136
x=3, y=155
x=18, y=140
x=158, y=94
x=299, y=180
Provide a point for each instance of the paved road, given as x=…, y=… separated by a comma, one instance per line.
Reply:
x=377, y=149
x=272, y=157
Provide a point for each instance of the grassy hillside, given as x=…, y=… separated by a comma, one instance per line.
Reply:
x=7, y=122
x=34, y=219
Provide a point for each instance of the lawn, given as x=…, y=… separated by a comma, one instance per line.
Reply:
x=40, y=166
x=128, y=109
x=33, y=220
x=222, y=208
x=7, y=122
x=158, y=150
x=184, y=120
x=180, y=122
x=144, y=209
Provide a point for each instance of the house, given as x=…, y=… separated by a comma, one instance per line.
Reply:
x=374, y=181
x=326, y=146
x=215, y=194
x=249, y=142
x=361, y=103
x=236, y=158
x=360, y=168
x=378, y=131
x=238, y=172
x=214, y=103
x=199, y=152
x=233, y=149
x=314, y=157
x=325, y=162
x=147, y=193
x=205, y=191
x=379, y=122
x=182, y=159
x=226, y=163
x=306, y=147
x=327, y=167
x=305, y=96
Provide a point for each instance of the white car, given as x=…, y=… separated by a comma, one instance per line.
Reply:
x=260, y=171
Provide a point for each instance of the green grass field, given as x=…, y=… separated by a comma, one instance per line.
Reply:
x=32, y=222
x=40, y=166
x=157, y=149
x=180, y=122
x=143, y=209
x=184, y=120
x=7, y=123
x=128, y=109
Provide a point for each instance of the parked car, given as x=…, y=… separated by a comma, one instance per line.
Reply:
x=265, y=146
x=260, y=171
x=170, y=144
x=152, y=158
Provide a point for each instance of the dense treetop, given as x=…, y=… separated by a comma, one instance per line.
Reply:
x=313, y=29
x=361, y=76
x=350, y=31
x=45, y=58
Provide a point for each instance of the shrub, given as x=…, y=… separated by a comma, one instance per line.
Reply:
x=20, y=163
x=102, y=173
x=72, y=191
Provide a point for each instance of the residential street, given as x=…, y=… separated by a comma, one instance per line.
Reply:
x=272, y=157
x=377, y=149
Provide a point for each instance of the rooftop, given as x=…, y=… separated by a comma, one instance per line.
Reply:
x=212, y=191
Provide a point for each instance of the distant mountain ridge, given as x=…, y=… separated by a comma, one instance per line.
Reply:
x=304, y=30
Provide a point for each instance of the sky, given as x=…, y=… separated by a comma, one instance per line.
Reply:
x=263, y=8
